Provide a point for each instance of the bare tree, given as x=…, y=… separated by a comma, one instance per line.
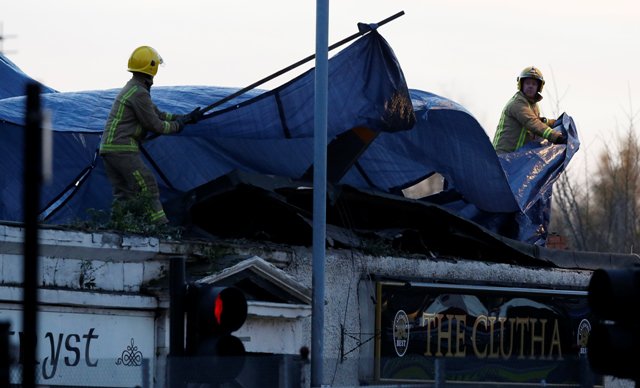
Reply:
x=615, y=193
x=571, y=213
x=602, y=215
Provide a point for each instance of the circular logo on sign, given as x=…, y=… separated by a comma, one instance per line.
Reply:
x=584, y=328
x=401, y=333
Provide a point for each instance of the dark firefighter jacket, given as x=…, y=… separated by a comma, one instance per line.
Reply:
x=132, y=116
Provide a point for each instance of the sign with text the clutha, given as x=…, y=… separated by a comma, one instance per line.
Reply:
x=491, y=335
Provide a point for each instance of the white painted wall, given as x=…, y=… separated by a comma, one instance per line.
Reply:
x=121, y=266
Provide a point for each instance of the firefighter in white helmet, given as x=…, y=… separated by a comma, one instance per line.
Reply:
x=520, y=121
x=133, y=115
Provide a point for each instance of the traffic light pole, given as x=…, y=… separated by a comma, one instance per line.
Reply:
x=32, y=181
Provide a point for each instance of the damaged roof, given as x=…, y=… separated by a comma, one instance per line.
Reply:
x=246, y=169
x=278, y=209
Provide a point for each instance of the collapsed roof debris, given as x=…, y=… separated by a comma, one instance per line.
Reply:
x=242, y=205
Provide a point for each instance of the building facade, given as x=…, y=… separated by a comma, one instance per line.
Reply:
x=104, y=313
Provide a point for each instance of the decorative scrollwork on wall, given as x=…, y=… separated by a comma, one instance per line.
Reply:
x=131, y=356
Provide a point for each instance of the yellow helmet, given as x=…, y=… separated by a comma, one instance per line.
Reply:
x=531, y=72
x=145, y=60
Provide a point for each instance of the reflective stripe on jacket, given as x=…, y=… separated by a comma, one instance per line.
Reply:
x=132, y=116
x=519, y=124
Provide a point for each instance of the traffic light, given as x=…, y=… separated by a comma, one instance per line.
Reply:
x=615, y=337
x=213, y=313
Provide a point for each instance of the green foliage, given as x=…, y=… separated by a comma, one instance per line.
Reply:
x=377, y=247
x=133, y=216
x=213, y=258
x=212, y=253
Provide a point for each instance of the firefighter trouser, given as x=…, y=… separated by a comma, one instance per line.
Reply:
x=129, y=177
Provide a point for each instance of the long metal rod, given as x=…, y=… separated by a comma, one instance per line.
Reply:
x=319, y=190
x=32, y=180
x=297, y=64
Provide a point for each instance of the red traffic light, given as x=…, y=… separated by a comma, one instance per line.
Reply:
x=216, y=310
x=213, y=313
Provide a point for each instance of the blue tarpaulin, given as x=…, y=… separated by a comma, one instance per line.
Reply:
x=14, y=81
x=271, y=132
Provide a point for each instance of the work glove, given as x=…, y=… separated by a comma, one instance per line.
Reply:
x=557, y=137
x=182, y=121
x=194, y=116
x=562, y=139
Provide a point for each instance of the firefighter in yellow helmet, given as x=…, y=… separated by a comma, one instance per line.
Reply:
x=133, y=115
x=520, y=121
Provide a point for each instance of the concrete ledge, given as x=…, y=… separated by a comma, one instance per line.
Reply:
x=278, y=310
x=83, y=299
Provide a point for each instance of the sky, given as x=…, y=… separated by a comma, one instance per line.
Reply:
x=469, y=51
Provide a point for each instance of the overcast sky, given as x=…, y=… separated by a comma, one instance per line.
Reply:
x=467, y=50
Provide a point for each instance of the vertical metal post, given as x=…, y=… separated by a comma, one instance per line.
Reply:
x=440, y=372
x=5, y=357
x=31, y=188
x=319, y=189
x=145, y=373
x=177, y=292
x=586, y=374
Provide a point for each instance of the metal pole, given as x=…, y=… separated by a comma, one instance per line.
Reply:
x=440, y=372
x=32, y=180
x=5, y=357
x=319, y=189
x=295, y=65
x=177, y=286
